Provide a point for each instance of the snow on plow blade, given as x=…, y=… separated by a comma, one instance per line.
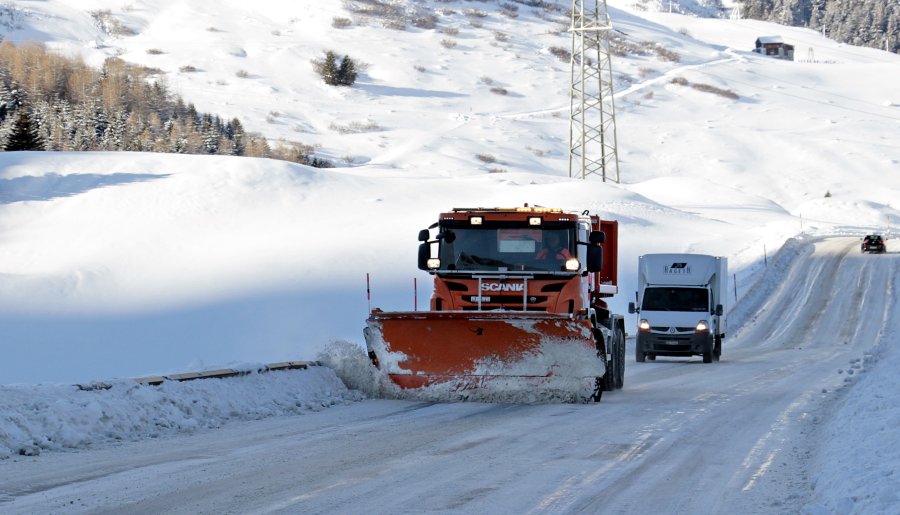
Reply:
x=488, y=355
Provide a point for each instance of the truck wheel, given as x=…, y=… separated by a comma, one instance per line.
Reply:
x=608, y=381
x=598, y=390
x=651, y=357
x=613, y=370
x=609, y=378
x=620, y=357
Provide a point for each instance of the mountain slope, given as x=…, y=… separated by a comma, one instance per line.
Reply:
x=197, y=261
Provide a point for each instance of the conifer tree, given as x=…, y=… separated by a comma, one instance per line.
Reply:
x=235, y=132
x=24, y=134
x=346, y=72
x=70, y=106
x=329, y=70
x=858, y=22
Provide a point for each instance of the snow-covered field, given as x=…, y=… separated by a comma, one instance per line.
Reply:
x=124, y=265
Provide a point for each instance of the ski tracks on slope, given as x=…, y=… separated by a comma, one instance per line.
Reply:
x=455, y=121
x=633, y=88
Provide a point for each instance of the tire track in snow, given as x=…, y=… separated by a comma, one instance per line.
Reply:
x=797, y=298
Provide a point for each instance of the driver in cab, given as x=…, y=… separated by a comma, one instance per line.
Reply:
x=553, y=248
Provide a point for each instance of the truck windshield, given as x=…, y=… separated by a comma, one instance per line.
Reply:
x=675, y=299
x=507, y=248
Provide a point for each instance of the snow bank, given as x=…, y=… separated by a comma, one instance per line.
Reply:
x=34, y=418
x=857, y=469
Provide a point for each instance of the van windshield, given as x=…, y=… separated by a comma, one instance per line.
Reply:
x=675, y=299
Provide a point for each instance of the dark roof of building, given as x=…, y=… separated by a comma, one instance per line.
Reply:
x=762, y=40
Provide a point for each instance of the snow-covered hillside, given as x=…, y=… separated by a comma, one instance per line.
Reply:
x=122, y=265
x=181, y=261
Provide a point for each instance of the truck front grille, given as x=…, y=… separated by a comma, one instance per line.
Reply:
x=492, y=307
x=506, y=300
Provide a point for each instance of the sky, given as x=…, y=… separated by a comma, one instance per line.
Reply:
x=121, y=265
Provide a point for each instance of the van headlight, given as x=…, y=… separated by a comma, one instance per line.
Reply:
x=644, y=325
x=702, y=327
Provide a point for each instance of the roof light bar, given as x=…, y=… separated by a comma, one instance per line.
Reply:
x=539, y=209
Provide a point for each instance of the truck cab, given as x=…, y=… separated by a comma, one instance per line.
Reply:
x=520, y=259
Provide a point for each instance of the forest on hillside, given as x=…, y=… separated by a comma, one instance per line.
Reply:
x=52, y=102
x=871, y=23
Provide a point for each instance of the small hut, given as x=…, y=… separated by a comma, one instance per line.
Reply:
x=774, y=46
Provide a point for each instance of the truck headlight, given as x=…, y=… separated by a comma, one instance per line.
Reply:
x=572, y=265
x=702, y=326
x=644, y=325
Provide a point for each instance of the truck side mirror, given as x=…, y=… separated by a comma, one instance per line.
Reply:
x=594, y=258
x=631, y=308
x=719, y=310
x=424, y=255
x=597, y=237
x=424, y=235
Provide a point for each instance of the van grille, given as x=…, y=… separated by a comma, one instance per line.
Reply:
x=665, y=329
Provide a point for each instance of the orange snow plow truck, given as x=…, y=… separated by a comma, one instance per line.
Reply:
x=518, y=306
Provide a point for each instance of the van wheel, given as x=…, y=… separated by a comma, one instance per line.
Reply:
x=717, y=350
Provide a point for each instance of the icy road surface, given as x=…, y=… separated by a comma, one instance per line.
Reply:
x=682, y=437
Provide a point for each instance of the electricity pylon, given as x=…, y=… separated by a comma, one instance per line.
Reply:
x=593, y=149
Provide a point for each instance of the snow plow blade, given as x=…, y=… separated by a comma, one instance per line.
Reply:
x=490, y=352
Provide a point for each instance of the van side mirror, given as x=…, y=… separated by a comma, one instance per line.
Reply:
x=719, y=310
x=631, y=308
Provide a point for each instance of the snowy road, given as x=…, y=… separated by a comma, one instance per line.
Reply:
x=682, y=437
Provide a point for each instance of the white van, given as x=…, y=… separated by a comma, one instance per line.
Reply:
x=680, y=300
